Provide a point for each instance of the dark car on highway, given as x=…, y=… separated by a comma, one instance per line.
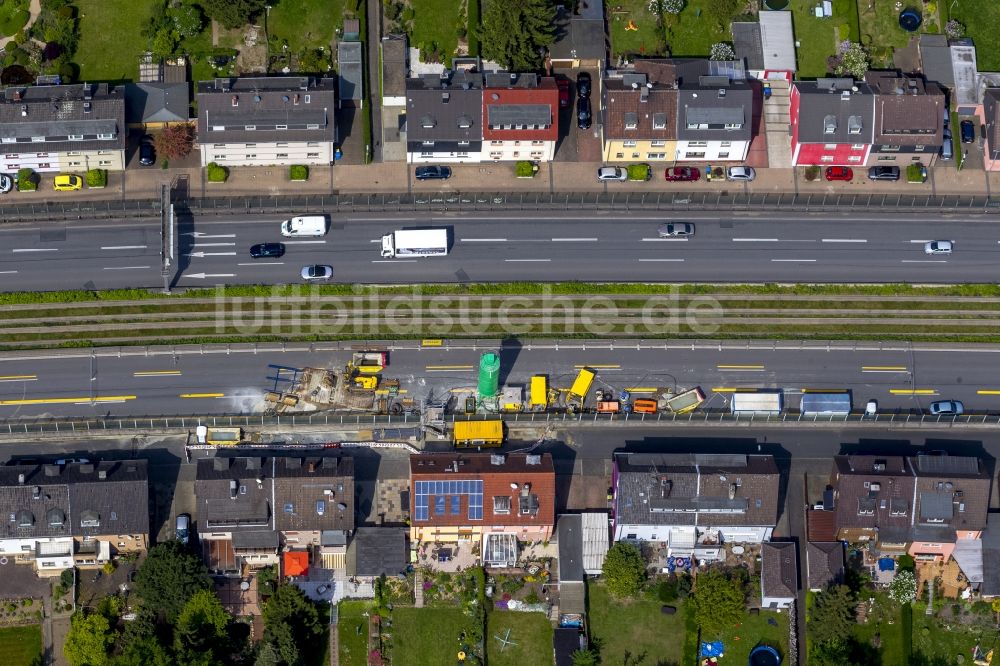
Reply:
x=433, y=173
x=883, y=173
x=583, y=115
x=267, y=250
x=583, y=85
x=968, y=130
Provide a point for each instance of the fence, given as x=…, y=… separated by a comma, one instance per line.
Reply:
x=335, y=204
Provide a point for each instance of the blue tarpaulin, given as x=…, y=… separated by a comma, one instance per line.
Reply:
x=713, y=649
x=886, y=564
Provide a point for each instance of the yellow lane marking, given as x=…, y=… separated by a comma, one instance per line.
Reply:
x=883, y=368
x=66, y=401
x=431, y=343
x=386, y=391
x=913, y=391
x=203, y=395
x=18, y=378
x=988, y=392
x=739, y=367
x=824, y=390
x=431, y=368
x=640, y=389
x=726, y=389
x=596, y=367
x=470, y=389
x=155, y=373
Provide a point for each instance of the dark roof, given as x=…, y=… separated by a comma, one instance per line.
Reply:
x=831, y=111
x=258, y=539
x=652, y=111
x=377, y=551
x=349, y=70
x=394, y=69
x=747, y=44
x=74, y=499
x=704, y=110
x=825, y=562
x=991, y=111
x=908, y=112
x=565, y=641
x=821, y=525
x=445, y=109
x=282, y=108
x=570, y=538
x=580, y=37
x=991, y=557
x=320, y=491
x=86, y=110
x=779, y=572
x=695, y=489
x=935, y=59
x=156, y=102
x=229, y=497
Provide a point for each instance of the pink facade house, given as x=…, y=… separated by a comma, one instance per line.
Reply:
x=832, y=122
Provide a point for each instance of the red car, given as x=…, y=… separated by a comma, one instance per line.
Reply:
x=682, y=174
x=839, y=173
x=563, y=92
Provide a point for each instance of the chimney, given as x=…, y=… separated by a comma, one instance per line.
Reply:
x=17, y=95
x=260, y=482
x=644, y=95
x=36, y=492
x=312, y=467
x=497, y=459
x=236, y=100
x=20, y=479
x=233, y=489
x=102, y=474
x=24, y=109
x=732, y=491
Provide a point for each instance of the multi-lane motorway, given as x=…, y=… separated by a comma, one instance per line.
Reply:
x=75, y=383
x=765, y=246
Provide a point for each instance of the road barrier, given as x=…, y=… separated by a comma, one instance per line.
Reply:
x=721, y=199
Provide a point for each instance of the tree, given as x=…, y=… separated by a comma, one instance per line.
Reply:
x=832, y=615
x=146, y=651
x=515, y=34
x=88, y=640
x=719, y=601
x=624, y=570
x=954, y=29
x=233, y=13
x=169, y=577
x=722, y=11
x=722, y=51
x=995, y=606
x=164, y=42
x=903, y=588
x=187, y=19
x=584, y=658
x=671, y=6
x=291, y=625
x=201, y=629
x=853, y=60
x=175, y=142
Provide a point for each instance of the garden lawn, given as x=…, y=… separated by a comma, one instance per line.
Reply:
x=352, y=633
x=755, y=630
x=940, y=640
x=882, y=33
x=13, y=16
x=634, y=627
x=20, y=645
x=435, y=21
x=648, y=40
x=532, y=632
x=693, y=31
x=426, y=636
x=982, y=23
x=110, y=39
x=818, y=37
x=305, y=23
x=893, y=650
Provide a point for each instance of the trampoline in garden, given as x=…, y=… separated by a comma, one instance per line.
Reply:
x=776, y=4
x=764, y=655
x=910, y=20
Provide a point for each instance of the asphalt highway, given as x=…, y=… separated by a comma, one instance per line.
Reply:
x=740, y=247
x=74, y=383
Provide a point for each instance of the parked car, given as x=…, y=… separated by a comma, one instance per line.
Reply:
x=883, y=173
x=947, y=146
x=6, y=183
x=612, y=173
x=968, y=130
x=676, y=229
x=583, y=115
x=681, y=174
x=742, y=173
x=267, y=250
x=947, y=408
x=938, y=247
x=67, y=183
x=433, y=172
x=839, y=173
x=317, y=272
x=182, y=528
x=563, y=85
x=147, y=154
x=871, y=408
x=583, y=85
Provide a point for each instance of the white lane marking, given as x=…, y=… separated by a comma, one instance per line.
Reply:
x=845, y=240
x=213, y=244
x=525, y=260
x=798, y=260
x=123, y=247
x=484, y=240
x=394, y=261
x=304, y=242
x=376, y=240
x=7, y=272
x=664, y=240
x=755, y=240
x=574, y=240
x=263, y=263
x=661, y=260
x=202, y=276
x=211, y=254
x=925, y=261
x=124, y=268
x=202, y=234
x=920, y=241
x=35, y=249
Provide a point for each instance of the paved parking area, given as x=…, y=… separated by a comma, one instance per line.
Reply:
x=19, y=580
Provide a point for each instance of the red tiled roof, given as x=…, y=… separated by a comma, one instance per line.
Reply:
x=547, y=94
x=296, y=563
x=821, y=525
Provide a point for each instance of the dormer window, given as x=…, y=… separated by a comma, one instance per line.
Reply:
x=830, y=125
x=854, y=125
x=105, y=137
x=659, y=121
x=55, y=518
x=631, y=121
x=90, y=518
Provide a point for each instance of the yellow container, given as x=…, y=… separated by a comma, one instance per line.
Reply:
x=539, y=391
x=582, y=384
x=478, y=433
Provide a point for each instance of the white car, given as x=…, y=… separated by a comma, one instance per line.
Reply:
x=676, y=229
x=612, y=173
x=740, y=173
x=871, y=409
x=938, y=247
x=317, y=272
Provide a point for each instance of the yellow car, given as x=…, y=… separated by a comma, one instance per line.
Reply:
x=67, y=183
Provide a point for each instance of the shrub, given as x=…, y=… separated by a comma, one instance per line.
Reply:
x=722, y=51
x=216, y=173
x=639, y=172
x=27, y=181
x=298, y=172
x=97, y=178
x=812, y=173
x=915, y=173
x=524, y=169
x=954, y=29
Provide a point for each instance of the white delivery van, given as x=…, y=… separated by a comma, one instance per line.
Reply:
x=305, y=225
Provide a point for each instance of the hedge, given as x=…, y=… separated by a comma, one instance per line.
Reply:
x=298, y=172
x=26, y=180
x=97, y=178
x=524, y=169
x=216, y=173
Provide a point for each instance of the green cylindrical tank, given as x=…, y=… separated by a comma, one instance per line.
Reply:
x=489, y=375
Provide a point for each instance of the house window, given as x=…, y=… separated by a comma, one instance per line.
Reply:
x=218, y=128
x=496, y=155
x=501, y=505
x=8, y=139
x=733, y=126
x=619, y=156
x=919, y=149
x=656, y=156
x=465, y=143
x=890, y=149
x=723, y=156
x=75, y=137
x=465, y=154
x=830, y=146
x=439, y=503
x=826, y=158
x=38, y=139
x=536, y=153
x=697, y=144
x=657, y=144
x=630, y=537
x=104, y=163
x=426, y=154
x=250, y=156
x=312, y=126
x=281, y=155
x=635, y=156
x=312, y=144
x=694, y=156
x=496, y=143
x=250, y=128
x=308, y=98
x=629, y=144
x=456, y=504
x=857, y=146
x=312, y=155
x=281, y=127
x=854, y=158
x=537, y=143
x=890, y=158
x=251, y=145
x=725, y=144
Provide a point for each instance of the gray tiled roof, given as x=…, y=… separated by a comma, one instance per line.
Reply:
x=991, y=557
x=935, y=59
x=154, y=102
x=267, y=104
x=715, y=94
x=444, y=109
x=779, y=571
x=377, y=551
x=746, y=43
x=833, y=104
x=570, y=536
x=580, y=37
x=907, y=110
x=60, y=112
x=394, y=69
x=825, y=562
x=320, y=490
x=350, y=77
x=695, y=489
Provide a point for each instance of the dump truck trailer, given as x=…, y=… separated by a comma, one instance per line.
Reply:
x=686, y=401
x=826, y=403
x=469, y=434
x=581, y=385
x=757, y=402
